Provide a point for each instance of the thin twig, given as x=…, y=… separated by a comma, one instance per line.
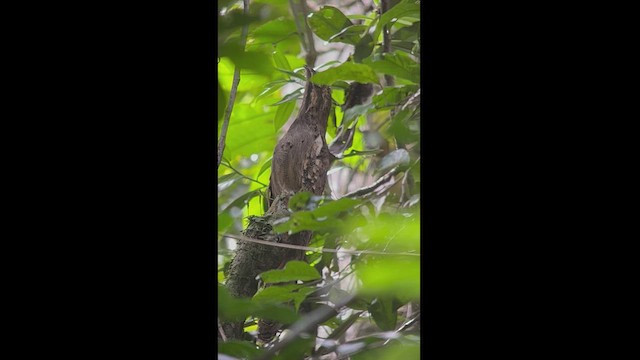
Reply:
x=296, y=20
x=311, y=50
x=234, y=90
x=222, y=334
x=321, y=250
x=386, y=38
x=243, y=175
x=369, y=189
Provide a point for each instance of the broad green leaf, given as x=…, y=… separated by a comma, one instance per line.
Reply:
x=299, y=201
x=282, y=114
x=384, y=313
x=228, y=177
x=271, y=87
x=350, y=35
x=243, y=200
x=397, y=64
x=377, y=279
x=224, y=221
x=281, y=294
x=347, y=71
x=293, y=270
x=276, y=312
x=392, y=96
x=293, y=96
x=265, y=166
x=281, y=61
x=231, y=308
x=335, y=207
x=405, y=8
x=327, y=22
x=405, y=351
x=364, y=48
x=239, y=349
x=274, y=31
x=395, y=158
x=250, y=131
x=351, y=114
x=407, y=33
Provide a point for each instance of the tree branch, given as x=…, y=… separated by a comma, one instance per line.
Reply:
x=311, y=320
x=307, y=248
x=386, y=38
x=234, y=90
x=311, y=49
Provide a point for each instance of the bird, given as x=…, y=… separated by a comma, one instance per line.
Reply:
x=301, y=158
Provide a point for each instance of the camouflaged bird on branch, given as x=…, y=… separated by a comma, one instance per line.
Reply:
x=300, y=162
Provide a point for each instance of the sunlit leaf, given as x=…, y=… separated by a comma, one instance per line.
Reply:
x=347, y=71
x=349, y=35
x=281, y=61
x=239, y=349
x=327, y=22
x=282, y=114
x=384, y=313
x=395, y=158
x=397, y=64
x=378, y=280
x=265, y=166
x=293, y=270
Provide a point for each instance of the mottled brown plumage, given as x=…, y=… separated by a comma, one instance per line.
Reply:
x=300, y=162
x=301, y=158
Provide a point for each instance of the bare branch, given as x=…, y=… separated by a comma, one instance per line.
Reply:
x=386, y=38
x=234, y=90
x=222, y=334
x=369, y=189
x=306, y=248
x=311, y=49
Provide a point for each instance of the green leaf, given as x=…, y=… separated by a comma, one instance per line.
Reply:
x=347, y=71
x=395, y=158
x=349, y=35
x=377, y=279
x=384, y=313
x=293, y=96
x=335, y=207
x=273, y=31
x=392, y=96
x=293, y=270
x=299, y=201
x=352, y=114
x=243, y=200
x=364, y=48
x=224, y=221
x=327, y=22
x=405, y=8
x=239, y=349
x=265, y=166
x=231, y=308
x=271, y=87
x=276, y=312
x=281, y=61
x=282, y=114
x=397, y=64
x=283, y=294
x=250, y=131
